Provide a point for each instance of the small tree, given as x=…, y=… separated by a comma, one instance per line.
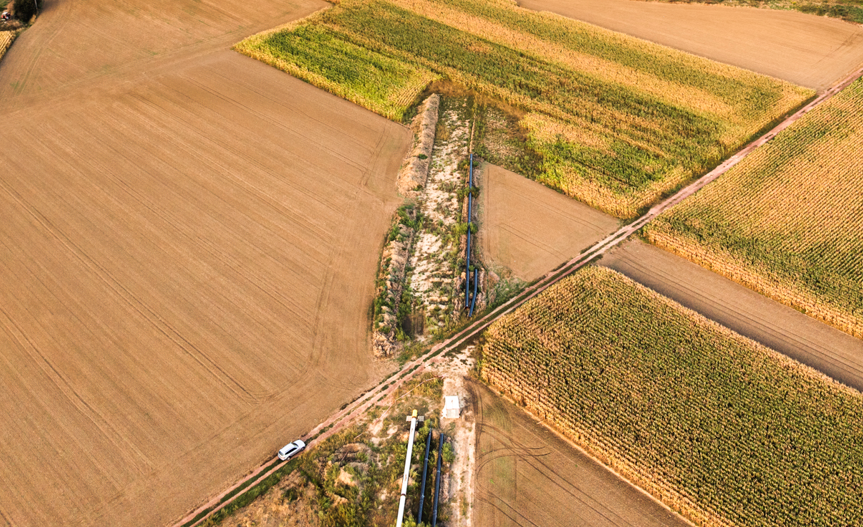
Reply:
x=24, y=9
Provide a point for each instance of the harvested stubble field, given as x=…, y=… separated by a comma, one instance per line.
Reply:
x=186, y=276
x=721, y=429
x=787, y=220
x=529, y=229
x=616, y=121
x=528, y=475
x=187, y=257
x=807, y=50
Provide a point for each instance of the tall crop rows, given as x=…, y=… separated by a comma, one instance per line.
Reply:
x=323, y=58
x=615, y=121
x=788, y=220
x=719, y=428
x=6, y=38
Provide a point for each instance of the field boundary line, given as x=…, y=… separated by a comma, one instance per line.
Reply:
x=349, y=412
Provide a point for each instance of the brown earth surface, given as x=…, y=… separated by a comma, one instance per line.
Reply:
x=737, y=307
x=527, y=475
x=181, y=229
x=100, y=44
x=529, y=228
x=804, y=49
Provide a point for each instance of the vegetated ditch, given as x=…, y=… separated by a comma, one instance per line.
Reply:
x=421, y=286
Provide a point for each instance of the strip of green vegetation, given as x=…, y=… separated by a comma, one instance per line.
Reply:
x=721, y=429
x=259, y=489
x=848, y=10
x=750, y=92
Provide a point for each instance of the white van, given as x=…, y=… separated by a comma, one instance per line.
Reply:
x=291, y=449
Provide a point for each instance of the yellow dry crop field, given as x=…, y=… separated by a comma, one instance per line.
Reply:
x=721, y=429
x=6, y=38
x=609, y=119
x=787, y=221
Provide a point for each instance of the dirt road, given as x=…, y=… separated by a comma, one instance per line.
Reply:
x=804, y=49
x=529, y=228
x=181, y=227
x=777, y=326
x=527, y=475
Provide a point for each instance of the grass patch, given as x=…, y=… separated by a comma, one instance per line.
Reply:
x=721, y=429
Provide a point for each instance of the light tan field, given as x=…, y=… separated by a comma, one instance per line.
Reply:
x=529, y=228
x=528, y=475
x=804, y=49
x=91, y=43
x=188, y=249
x=777, y=326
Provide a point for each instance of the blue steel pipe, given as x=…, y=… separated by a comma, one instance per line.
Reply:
x=423, y=481
x=473, y=300
x=437, y=480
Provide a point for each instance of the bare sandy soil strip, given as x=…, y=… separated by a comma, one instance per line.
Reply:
x=804, y=49
x=527, y=475
x=529, y=228
x=173, y=261
x=777, y=326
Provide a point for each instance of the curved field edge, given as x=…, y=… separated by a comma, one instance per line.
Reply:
x=787, y=221
x=317, y=55
x=719, y=428
x=613, y=121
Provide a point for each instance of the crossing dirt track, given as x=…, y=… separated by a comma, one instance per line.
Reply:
x=176, y=237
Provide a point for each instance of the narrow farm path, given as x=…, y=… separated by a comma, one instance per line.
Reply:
x=743, y=310
x=345, y=416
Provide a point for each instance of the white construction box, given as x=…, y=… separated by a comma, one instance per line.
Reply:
x=451, y=407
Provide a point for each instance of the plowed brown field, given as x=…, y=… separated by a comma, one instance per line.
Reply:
x=187, y=257
x=804, y=49
x=529, y=228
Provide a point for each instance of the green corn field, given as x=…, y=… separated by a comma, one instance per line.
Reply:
x=787, y=220
x=719, y=428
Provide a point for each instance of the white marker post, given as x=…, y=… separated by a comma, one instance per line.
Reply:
x=413, y=420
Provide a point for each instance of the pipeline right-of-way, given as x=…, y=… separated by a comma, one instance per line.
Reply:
x=469, y=213
x=469, y=301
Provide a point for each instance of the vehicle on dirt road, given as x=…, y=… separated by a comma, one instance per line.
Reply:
x=291, y=449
